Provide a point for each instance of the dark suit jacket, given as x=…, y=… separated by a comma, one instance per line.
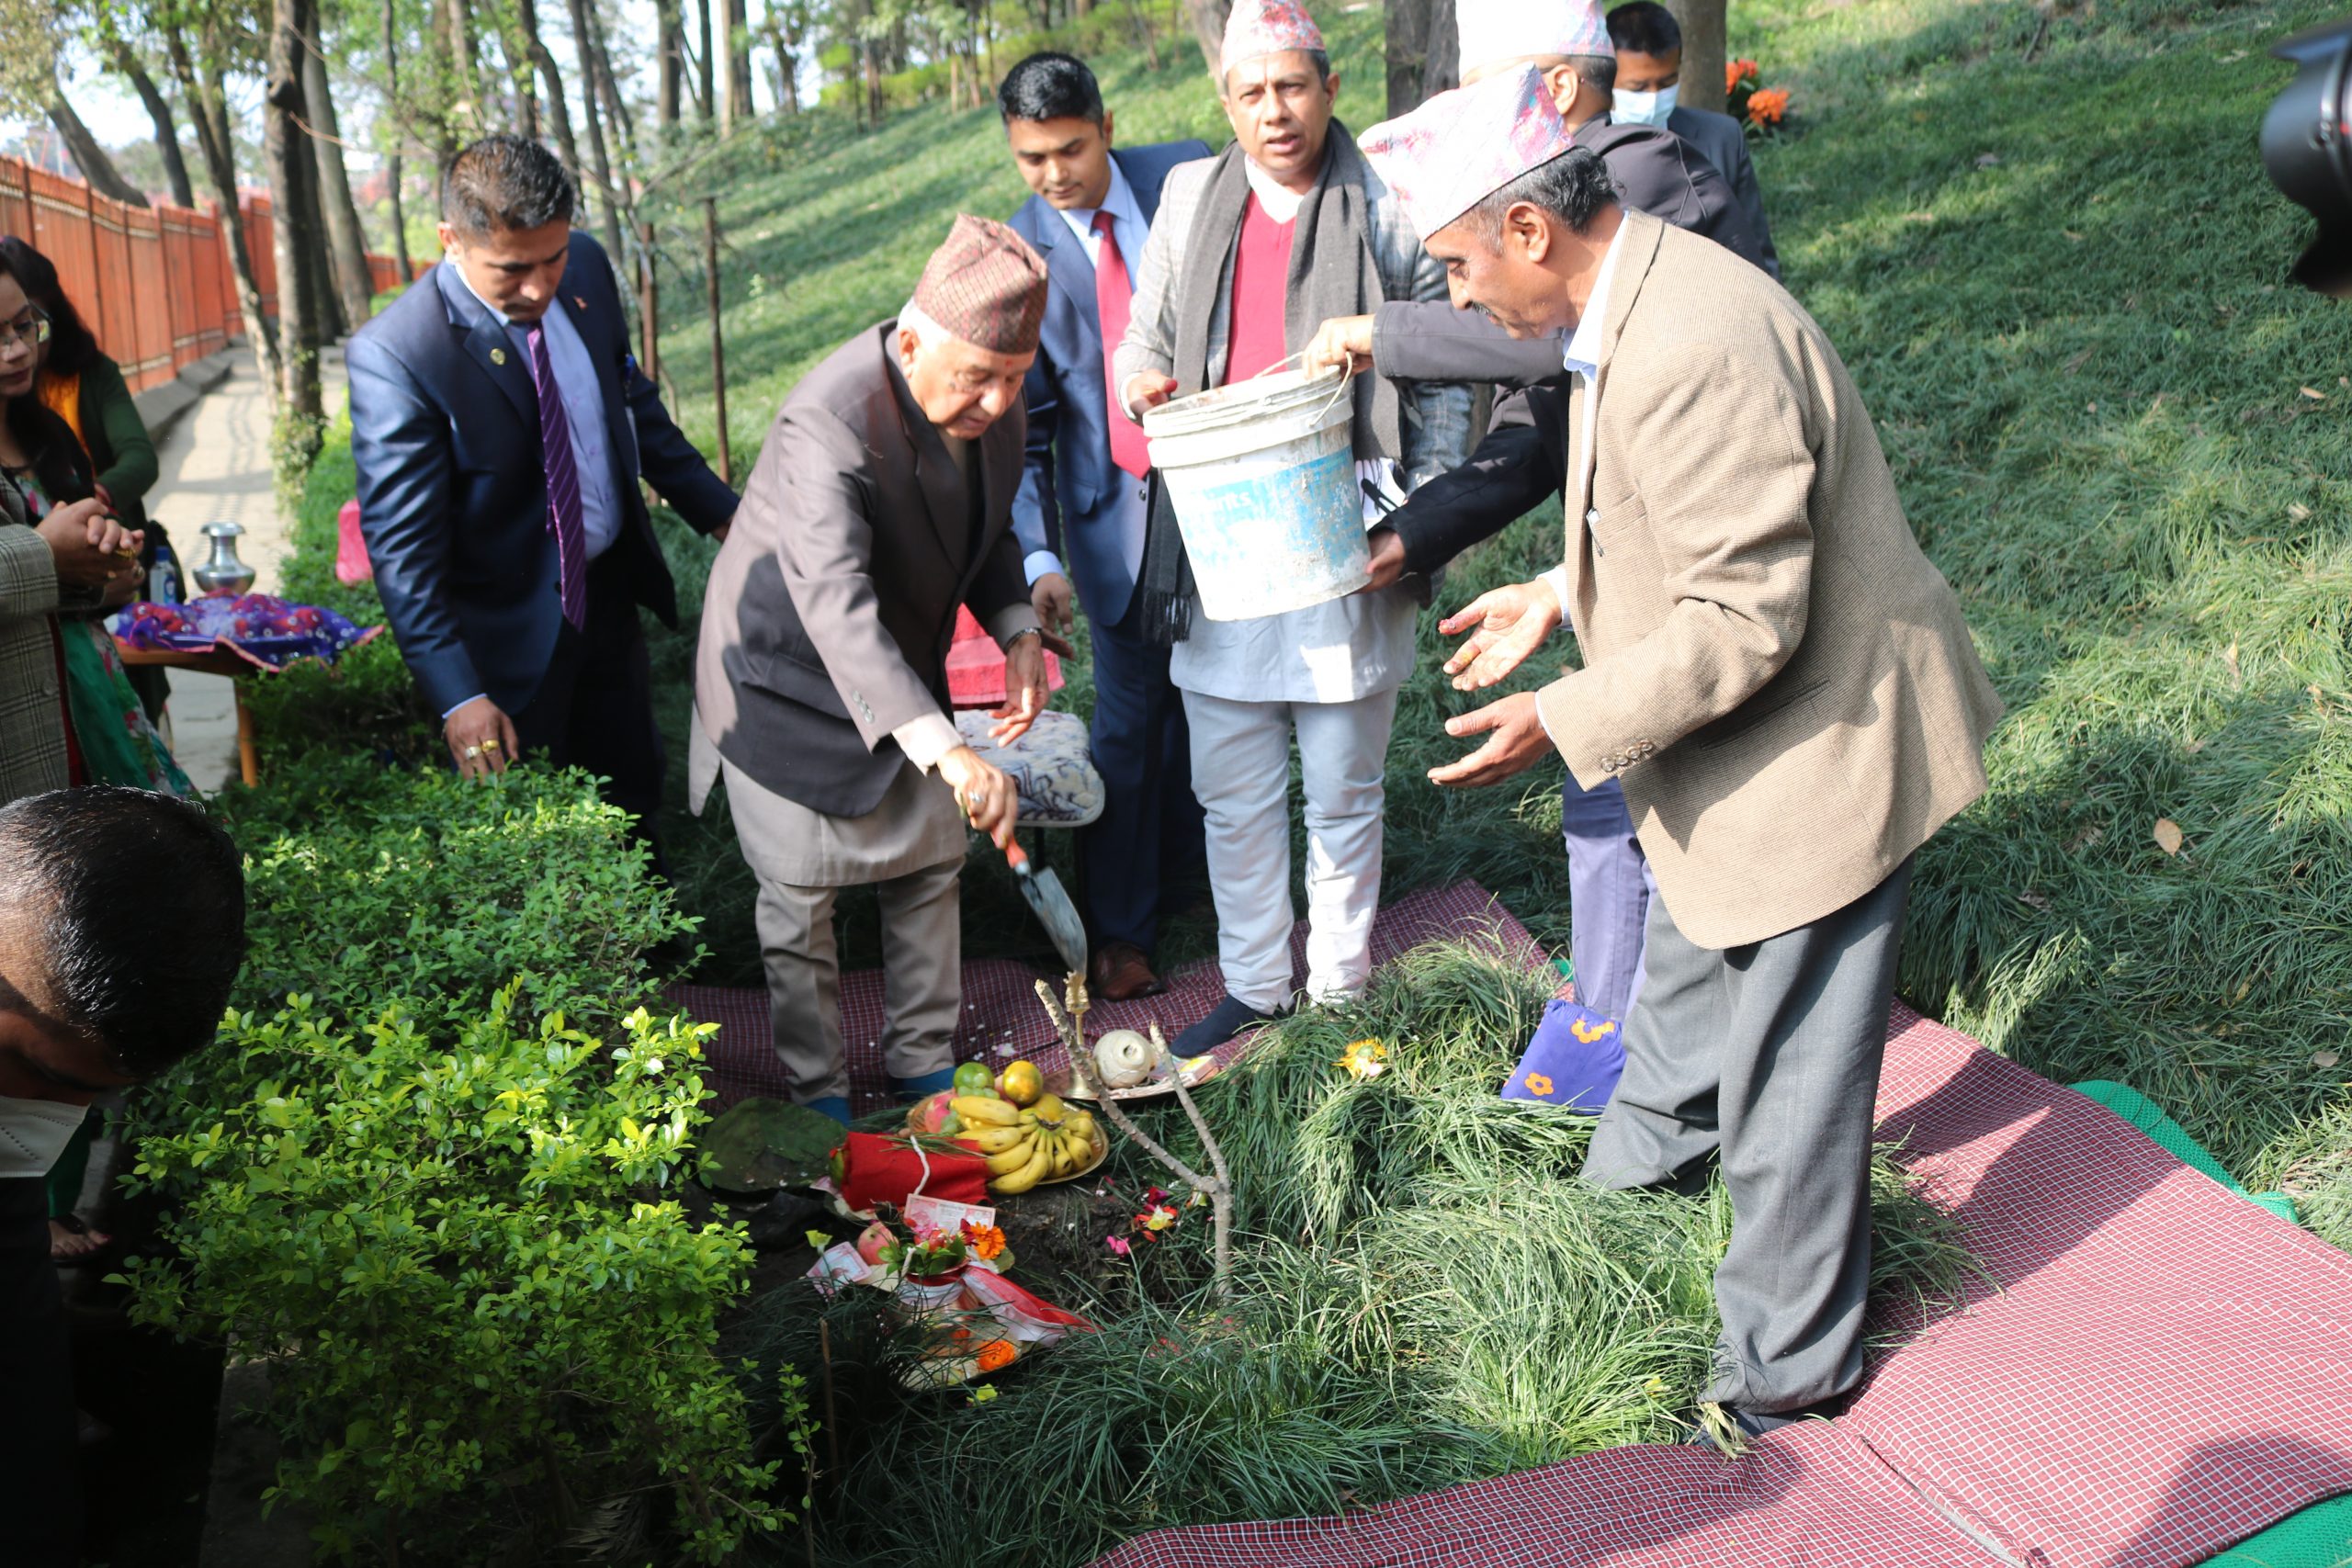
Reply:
x=831, y=606
x=1068, y=482
x=1666, y=177
x=1721, y=142
x=444, y=428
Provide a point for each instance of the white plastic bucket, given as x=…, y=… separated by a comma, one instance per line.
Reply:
x=1262, y=478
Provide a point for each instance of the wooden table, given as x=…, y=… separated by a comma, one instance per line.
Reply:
x=211, y=661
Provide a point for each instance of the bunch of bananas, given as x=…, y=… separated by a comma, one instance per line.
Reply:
x=1025, y=1145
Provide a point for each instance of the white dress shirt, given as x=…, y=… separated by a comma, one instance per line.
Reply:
x=1581, y=355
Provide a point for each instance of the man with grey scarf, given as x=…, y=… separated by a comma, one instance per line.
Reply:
x=1250, y=253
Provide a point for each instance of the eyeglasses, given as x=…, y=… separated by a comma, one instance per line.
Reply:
x=29, y=329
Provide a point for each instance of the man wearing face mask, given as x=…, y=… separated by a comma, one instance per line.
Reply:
x=883, y=500
x=102, y=984
x=1649, y=78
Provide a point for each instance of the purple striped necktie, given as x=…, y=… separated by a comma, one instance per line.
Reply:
x=565, y=520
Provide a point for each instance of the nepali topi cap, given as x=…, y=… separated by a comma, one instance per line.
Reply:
x=1497, y=30
x=1460, y=147
x=1266, y=27
x=985, y=286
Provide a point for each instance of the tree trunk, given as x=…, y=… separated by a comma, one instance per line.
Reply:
x=220, y=171
x=736, y=106
x=526, y=15
x=521, y=73
x=159, y=109
x=301, y=411
x=96, y=168
x=707, y=101
x=1704, y=52
x=1207, y=18
x=393, y=161
x=616, y=115
x=669, y=53
x=328, y=321
x=465, y=68
x=346, y=243
x=600, y=167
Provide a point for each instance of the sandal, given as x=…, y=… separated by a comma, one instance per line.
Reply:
x=76, y=1225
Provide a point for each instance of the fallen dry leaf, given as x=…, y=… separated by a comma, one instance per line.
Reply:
x=2324, y=1058
x=2038, y=901
x=2078, y=361
x=2313, y=393
x=2299, y=512
x=2230, y=658
x=2071, y=235
x=2168, y=836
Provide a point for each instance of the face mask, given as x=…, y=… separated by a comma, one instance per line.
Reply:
x=33, y=1133
x=1644, y=108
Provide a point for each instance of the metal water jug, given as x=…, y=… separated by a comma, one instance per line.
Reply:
x=223, y=574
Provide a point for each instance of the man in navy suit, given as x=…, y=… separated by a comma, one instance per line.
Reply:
x=1080, y=512
x=501, y=428
x=1649, y=79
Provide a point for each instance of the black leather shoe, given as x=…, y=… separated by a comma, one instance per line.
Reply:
x=1225, y=1021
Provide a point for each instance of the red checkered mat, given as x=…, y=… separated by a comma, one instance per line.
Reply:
x=1002, y=1020
x=2154, y=1370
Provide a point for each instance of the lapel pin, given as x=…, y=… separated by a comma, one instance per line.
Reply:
x=580, y=301
x=498, y=356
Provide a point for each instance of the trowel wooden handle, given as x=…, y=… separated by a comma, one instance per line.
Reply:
x=1016, y=857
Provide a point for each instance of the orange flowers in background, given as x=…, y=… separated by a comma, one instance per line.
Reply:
x=1762, y=108
x=986, y=1242
x=1738, y=71
x=1769, y=106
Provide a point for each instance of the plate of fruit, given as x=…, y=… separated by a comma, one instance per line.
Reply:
x=1029, y=1137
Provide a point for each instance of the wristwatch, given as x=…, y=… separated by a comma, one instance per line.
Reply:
x=1035, y=631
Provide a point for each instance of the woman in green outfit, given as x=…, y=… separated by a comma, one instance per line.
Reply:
x=85, y=389
x=111, y=738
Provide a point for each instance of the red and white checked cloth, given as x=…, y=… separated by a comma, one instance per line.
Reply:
x=2156, y=1370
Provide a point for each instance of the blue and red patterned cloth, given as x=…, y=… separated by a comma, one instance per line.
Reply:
x=256, y=627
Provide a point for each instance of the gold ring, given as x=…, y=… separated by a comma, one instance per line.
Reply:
x=471, y=752
x=490, y=744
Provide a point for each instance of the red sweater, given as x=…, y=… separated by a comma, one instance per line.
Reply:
x=1261, y=289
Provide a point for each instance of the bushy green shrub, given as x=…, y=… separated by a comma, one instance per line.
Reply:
x=364, y=703
x=483, y=1317
x=369, y=885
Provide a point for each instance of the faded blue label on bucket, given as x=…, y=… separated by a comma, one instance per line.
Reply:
x=1281, y=539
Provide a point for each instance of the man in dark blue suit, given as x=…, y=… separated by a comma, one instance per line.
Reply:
x=1080, y=512
x=501, y=428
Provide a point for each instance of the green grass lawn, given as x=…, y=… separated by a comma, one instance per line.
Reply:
x=2050, y=257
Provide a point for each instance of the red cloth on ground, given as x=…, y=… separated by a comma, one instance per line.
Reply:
x=881, y=1168
x=1260, y=290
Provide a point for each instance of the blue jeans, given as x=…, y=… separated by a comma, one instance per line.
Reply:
x=1609, y=889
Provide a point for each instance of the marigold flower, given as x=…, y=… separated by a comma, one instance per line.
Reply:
x=996, y=1355
x=1738, y=71
x=1153, y=1220
x=1365, y=1059
x=986, y=1242
x=1769, y=106
x=1538, y=1084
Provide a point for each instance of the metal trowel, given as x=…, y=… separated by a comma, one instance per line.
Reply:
x=1052, y=907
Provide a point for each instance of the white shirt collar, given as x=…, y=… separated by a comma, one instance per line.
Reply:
x=1120, y=202
x=1582, y=351
x=1280, y=203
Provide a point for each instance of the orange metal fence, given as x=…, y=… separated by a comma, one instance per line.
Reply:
x=154, y=283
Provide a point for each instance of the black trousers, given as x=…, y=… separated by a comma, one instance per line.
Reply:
x=594, y=709
x=1148, y=836
x=40, y=1500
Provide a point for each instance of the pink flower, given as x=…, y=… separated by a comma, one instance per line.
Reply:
x=1117, y=1244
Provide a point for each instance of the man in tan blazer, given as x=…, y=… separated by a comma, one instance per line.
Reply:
x=1781, y=680
x=883, y=501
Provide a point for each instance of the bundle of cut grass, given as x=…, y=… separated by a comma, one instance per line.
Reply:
x=1424, y=1293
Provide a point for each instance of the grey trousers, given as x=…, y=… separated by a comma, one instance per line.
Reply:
x=922, y=939
x=1769, y=1054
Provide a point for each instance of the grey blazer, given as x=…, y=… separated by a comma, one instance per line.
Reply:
x=831, y=609
x=32, y=723
x=1721, y=142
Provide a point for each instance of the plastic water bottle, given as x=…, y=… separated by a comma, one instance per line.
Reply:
x=163, y=581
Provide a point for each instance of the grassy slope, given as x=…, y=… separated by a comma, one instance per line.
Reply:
x=2059, y=284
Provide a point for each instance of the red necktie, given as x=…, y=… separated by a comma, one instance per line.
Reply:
x=1112, y=296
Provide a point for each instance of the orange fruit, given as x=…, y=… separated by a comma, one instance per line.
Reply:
x=1022, y=1083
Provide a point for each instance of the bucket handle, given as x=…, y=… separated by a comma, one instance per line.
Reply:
x=1347, y=379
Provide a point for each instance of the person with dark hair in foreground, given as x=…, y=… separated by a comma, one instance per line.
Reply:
x=1782, y=681
x=1650, y=75
x=501, y=426
x=102, y=984
x=1080, y=512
